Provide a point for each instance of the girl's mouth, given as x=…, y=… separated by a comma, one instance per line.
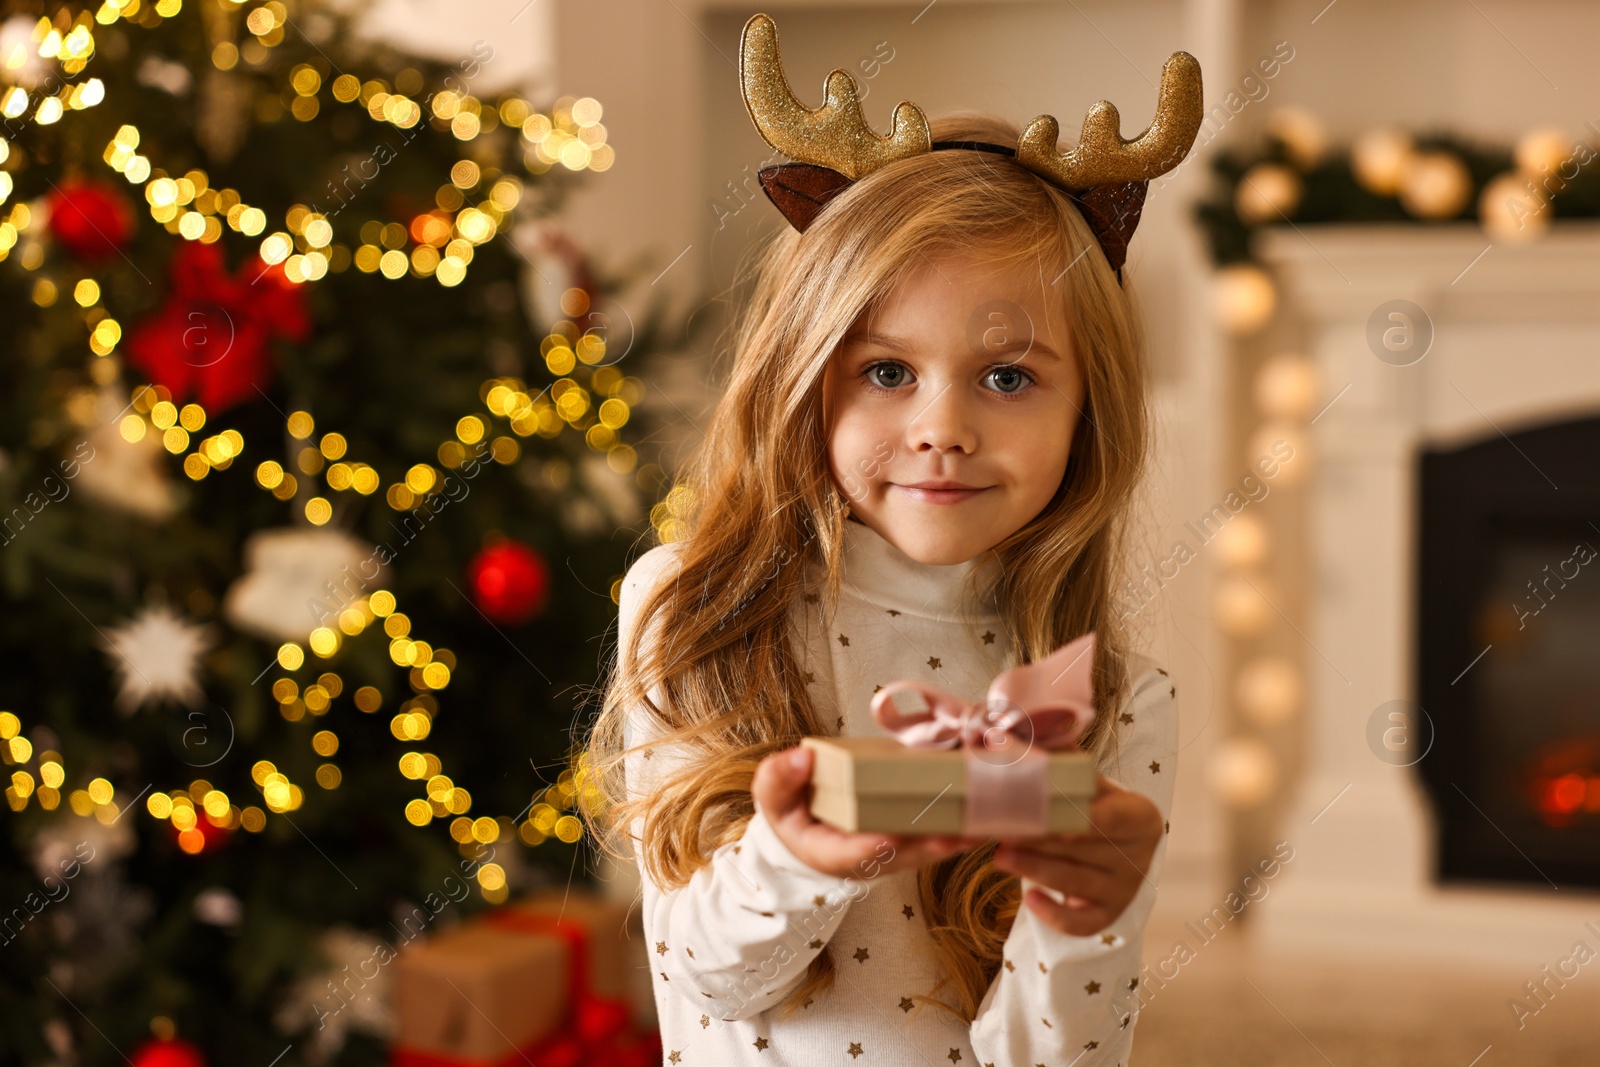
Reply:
x=940, y=496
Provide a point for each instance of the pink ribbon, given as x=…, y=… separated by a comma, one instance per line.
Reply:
x=1030, y=711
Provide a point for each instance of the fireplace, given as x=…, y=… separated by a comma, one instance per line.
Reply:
x=1424, y=524
x=1508, y=640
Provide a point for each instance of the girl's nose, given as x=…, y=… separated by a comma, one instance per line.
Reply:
x=943, y=423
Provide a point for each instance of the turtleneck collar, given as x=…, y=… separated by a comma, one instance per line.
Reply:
x=879, y=573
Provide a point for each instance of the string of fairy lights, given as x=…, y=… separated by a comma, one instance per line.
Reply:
x=470, y=210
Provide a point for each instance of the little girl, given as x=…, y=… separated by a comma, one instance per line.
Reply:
x=921, y=469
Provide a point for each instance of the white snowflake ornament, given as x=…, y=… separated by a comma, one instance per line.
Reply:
x=156, y=655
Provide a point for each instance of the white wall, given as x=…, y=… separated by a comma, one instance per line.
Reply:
x=1489, y=68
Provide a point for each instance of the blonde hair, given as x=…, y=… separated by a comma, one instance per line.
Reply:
x=761, y=492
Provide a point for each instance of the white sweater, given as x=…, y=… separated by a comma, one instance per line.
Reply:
x=731, y=943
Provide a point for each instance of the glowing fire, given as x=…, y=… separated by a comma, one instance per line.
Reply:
x=1564, y=780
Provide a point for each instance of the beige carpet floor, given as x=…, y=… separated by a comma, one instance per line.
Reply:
x=1228, y=1007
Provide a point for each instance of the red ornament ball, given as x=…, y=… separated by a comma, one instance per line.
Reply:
x=92, y=218
x=168, y=1052
x=509, y=582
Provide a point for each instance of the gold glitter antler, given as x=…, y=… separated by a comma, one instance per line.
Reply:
x=1102, y=155
x=835, y=135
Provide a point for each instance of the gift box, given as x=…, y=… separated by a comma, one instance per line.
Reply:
x=473, y=996
x=547, y=979
x=607, y=956
x=880, y=785
x=611, y=938
x=1006, y=766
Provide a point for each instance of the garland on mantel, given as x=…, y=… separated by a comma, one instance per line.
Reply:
x=1389, y=175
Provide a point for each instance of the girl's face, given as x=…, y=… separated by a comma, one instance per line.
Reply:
x=951, y=411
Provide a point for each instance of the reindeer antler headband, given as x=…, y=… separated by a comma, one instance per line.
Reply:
x=833, y=146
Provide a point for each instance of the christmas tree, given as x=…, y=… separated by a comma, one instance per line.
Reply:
x=316, y=485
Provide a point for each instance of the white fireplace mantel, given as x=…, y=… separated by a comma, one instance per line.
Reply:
x=1516, y=342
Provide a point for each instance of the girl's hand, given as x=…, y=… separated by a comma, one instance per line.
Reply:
x=781, y=788
x=1099, y=870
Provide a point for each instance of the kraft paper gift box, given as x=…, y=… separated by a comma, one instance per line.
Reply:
x=477, y=993
x=880, y=785
x=613, y=939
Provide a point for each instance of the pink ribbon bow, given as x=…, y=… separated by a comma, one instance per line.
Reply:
x=1030, y=710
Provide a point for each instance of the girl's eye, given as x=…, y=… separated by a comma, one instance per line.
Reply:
x=1011, y=378
x=896, y=373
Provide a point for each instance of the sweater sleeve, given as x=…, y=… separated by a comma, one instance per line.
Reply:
x=1058, y=997
x=742, y=932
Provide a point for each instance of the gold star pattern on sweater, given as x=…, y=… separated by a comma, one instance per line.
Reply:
x=892, y=611
x=690, y=951
x=1167, y=827
x=908, y=1004
x=819, y=900
x=664, y=977
x=1092, y=988
x=1124, y=1025
x=854, y=1050
x=840, y=723
x=1133, y=983
x=1091, y=1045
x=1155, y=768
x=675, y=1056
x=661, y=948
x=1172, y=691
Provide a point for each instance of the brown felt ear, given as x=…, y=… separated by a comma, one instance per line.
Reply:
x=1112, y=212
x=800, y=190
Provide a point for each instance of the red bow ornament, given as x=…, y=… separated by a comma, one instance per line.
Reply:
x=212, y=337
x=1030, y=711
